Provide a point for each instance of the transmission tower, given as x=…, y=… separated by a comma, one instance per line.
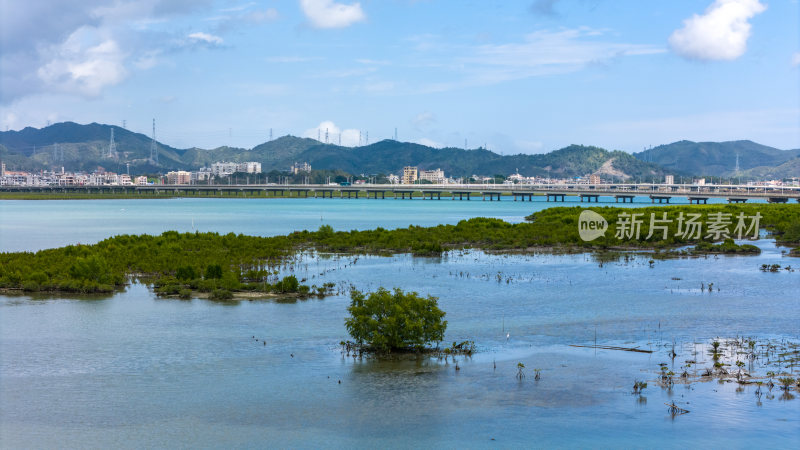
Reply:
x=395, y=133
x=340, y=139
x=326, y=135
x=112, y=147
x=359, y=138
x=367, y=138
x=737, y=165
x=153, y=147
x=270, y=134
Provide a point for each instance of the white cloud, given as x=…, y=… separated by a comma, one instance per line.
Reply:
x=349, y=137
x=267, y=15
x=205, y=37
x=796, y=59
x=541, y=53
x=330, y=14
x=85, y=63
x=424, y=120
x=720, y=33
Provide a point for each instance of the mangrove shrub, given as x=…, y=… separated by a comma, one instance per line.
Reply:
x=394, y=320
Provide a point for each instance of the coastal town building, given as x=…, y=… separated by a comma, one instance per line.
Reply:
x=225, y=169
x=434, y=176
x=179, y=177
x=409, y=174
x=300, y=167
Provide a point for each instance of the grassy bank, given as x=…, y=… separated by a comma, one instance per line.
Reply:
x=180, y=263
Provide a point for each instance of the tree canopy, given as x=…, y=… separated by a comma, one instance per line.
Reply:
x=394, y=320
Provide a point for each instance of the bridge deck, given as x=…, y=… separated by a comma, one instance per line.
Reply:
x=617, y=191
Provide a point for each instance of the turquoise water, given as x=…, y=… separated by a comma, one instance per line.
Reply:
x=34, y=225
x=133, y=370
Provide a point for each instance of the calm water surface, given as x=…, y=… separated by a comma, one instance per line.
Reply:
x=133, y=370
x=34, y=225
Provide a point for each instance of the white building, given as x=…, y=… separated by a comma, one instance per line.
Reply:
x=224, y=169
x=669, y=179
x=300, y=167
x=434, y=176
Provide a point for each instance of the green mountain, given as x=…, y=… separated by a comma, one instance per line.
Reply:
x=85, y=147
x=391, y=156
x=789, y=169
x=716, y=158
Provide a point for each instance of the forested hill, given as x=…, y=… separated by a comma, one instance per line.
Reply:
x=390, y=156
x=85, y=147
x=718, y=158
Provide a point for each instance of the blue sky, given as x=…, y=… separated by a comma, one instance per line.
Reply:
x=517, y=76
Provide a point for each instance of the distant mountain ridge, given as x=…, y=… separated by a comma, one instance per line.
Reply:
x=85, y=147
x=717, y=158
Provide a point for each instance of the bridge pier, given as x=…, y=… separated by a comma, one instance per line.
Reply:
x=491, y=196
x=737, y=200
x=697, y=200
x=777, y=200
x=589, y=197
x=556, y=197
x=522, y=196
x=660, y=198
x=625, y=198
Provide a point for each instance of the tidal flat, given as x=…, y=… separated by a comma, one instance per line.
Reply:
x=132, y=369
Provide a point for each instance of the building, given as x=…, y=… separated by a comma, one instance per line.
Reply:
x=434, y=176
x=225, y=169
x=409, y=175
x=141, y=181
x=669, y=179
x=203, y=174
x=300, y=167
x=2, y=169
x=595, y=179
x=179, y=177
x=393, y=179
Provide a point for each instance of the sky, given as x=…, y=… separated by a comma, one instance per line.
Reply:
x=513, y=76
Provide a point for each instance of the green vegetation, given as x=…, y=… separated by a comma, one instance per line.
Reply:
x=394, y=321
x=559, y=226
x=174, y=263
x=205, y=262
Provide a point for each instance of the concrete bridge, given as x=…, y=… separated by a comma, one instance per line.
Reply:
x=625, y=193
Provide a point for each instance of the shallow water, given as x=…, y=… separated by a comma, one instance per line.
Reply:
x=27, y=225
x=133, y=370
